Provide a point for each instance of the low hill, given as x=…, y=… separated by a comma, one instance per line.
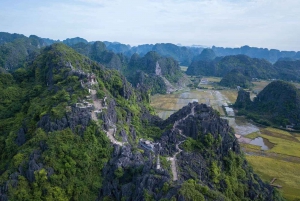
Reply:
x=278, y=102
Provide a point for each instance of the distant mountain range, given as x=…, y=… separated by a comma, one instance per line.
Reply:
x=138, y=65
x=183, y=54
x=17, y=51
x=251, y=67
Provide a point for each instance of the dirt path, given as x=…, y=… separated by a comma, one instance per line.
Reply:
x=173, y=159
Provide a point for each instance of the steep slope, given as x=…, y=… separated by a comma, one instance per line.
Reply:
x=98, y=52
x=7, y=37
x=289, y=70
x=183, y=55
x=206, y=55
x=50, y=147
x=258, y=68
x=235, y=78
x=74, y=41
x=18, y=50
x=196, y=158
x=278, y=102
x=159, y=73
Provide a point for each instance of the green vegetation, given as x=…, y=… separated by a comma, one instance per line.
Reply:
x=236, y=78
x=191, y=191
x=69, y=161
x=277, y=103
x=52, y=150
x=142, y=71
x=286, y=174
x=282, y=160
x=255, y=68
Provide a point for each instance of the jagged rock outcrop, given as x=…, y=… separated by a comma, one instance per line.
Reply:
x=136, y=175
x=109, y=117
x=77, y=120
x=243, y=100
x=21, y=136
x=131, y=172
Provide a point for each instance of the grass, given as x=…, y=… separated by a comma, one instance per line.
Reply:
x=230, y=94
x=260, y=85
x=278, y=131
x=253, y=135
x=285, y=143
x=250, y=147
x=213, y=79
x=281, y=161
x=283, y=146
x=287, y=174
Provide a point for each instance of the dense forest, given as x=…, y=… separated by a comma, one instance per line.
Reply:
x=278, y=103
x=235, y=78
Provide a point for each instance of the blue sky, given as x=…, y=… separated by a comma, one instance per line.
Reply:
x=227, y=23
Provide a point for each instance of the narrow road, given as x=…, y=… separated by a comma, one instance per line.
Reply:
x=158, y=162
x=173, y=159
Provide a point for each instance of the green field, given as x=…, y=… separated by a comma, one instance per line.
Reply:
x=282, y=161
x=230, y=94
x=286, y=173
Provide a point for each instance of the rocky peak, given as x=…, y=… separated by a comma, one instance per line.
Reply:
x=243, y=100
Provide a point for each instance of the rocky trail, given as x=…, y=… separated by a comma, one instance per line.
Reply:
x=98, y=106
x=173, y=159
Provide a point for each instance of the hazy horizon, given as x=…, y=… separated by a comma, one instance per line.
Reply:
x=222, y=23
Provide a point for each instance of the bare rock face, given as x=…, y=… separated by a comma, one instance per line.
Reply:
x=110, y=116
x=157, y=69
x=21, y=137
x=77, y=116
x=138, y=169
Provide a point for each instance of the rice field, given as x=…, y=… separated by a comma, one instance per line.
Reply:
x=230, y=94
x=282, y=161
x=286, y=173
x=165, y=105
